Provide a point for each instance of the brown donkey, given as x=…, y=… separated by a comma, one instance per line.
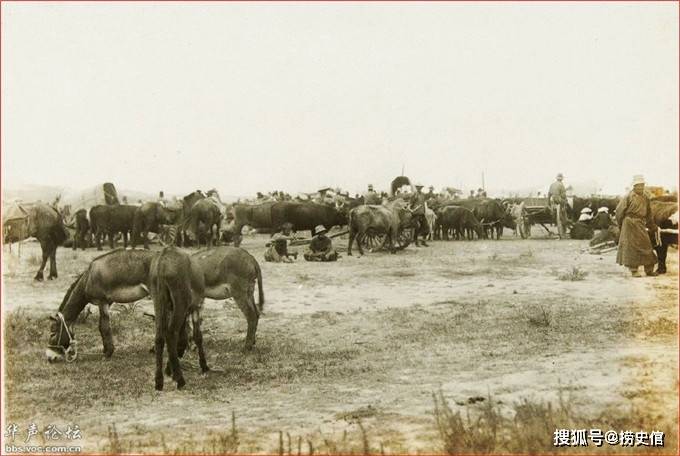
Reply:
x=177, y=288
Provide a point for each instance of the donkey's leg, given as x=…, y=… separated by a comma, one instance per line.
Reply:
x=53, y=263
x=171, y=339
x=112, y=236
x=183, y=341
x=105, y=328
x=198, y=340
x=45, y=248
x=158, y=347
x=243, y=295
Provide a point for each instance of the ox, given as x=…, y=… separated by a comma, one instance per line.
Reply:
x=112, y=220
x=303, y=216
x=460, y=220
x=389, y=219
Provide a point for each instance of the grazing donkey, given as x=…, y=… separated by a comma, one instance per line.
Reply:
x=177, y=288
x=232, y=272
x=117, y=276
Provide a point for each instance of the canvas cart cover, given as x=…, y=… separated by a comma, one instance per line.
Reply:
x=399, y=182
x=84, y=199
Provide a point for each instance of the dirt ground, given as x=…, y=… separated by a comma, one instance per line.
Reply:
x=365, y=340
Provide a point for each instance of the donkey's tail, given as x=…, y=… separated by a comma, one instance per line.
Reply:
x=260, y=290
x=173, y=296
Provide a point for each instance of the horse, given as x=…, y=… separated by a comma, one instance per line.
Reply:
x=117, y=276
x=177, y=289
x=148, y=218
x=207, y=212
x=46, y=224
x=82, y=230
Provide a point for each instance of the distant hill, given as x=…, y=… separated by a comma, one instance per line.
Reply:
x=47, y=194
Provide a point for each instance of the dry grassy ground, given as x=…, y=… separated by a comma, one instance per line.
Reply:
x=349, y=355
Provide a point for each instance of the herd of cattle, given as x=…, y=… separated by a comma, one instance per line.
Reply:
x=178, y=281
x=203, y=219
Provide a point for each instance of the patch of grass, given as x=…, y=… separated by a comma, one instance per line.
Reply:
x=539, y=316
x=529, y=427
x=574, y=275
x=356, y=439
x=215, y=442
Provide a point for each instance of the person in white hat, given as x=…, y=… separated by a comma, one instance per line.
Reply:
x=321, y=247
x=634, y=217
x=602, y=220
x=586, y=215
x=557, y=199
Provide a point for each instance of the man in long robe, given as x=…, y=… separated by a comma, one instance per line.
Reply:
x=634, y=216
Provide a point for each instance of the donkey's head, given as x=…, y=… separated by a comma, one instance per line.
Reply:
x=62, y=342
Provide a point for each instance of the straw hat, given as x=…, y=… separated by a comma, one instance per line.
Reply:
x=320, y=229
x=638, y=179
x=586, y=210
x=603, y=209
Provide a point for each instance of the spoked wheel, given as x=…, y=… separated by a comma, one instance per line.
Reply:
x=372, y=241
x=404, y=238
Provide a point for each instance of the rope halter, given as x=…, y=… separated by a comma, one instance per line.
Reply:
x=71, y=352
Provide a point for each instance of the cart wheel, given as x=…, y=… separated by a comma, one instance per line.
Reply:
x=404, y=238
x=373, y=241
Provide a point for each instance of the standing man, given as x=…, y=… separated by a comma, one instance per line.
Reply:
x=371, y=196
x=418, y=206
x=557, y=199
x=634, y=217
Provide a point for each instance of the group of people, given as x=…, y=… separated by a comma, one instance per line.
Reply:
x=633, y=216
x=320, y=247
x=634, y=219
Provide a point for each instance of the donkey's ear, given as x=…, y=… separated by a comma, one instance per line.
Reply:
x=52, y=317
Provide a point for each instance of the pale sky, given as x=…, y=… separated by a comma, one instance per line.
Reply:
x=246, y=97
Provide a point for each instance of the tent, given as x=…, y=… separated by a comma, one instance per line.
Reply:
x=15, y=222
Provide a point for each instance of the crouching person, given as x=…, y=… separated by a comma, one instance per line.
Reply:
x=277, y=248
x=321, y=247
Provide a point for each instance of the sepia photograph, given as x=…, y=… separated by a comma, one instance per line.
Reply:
x=339, y=228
